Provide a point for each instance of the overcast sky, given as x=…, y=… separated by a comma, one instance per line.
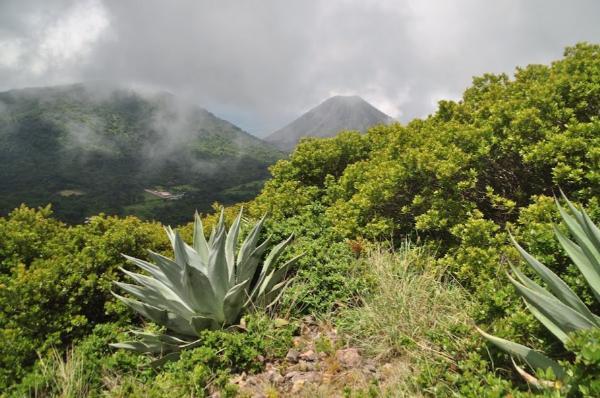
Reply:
x=260, y=64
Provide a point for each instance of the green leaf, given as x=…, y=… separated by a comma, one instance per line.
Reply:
x=271, y=260
x=234, y=302
x=566, y=318
x=249, y=244
x=230, y=246
x=200, y=244
x=170, y=278
x=547, y=322
x=217, y=267
x=560, y=289
x=247, y=268
x=278, y=275
x=200, y=323
x=202, y=296
x=592, y=231
x=533, y=358
x=150, y=296
x=589, y=272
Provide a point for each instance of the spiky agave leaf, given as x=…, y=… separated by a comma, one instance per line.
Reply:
x=560, y=310
x=586, y=253
x=533, y=358
x=206, y=286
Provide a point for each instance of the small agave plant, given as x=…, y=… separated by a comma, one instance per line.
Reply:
x=558, y=308
x=207, y=286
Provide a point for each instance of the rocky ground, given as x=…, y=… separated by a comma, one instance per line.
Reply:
x=319, y=365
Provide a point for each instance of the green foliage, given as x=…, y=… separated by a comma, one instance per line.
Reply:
x=455, y=181
x=505, y=142
x=58, y=290
x=91, y=368
x=206, y=286
x=584, y=370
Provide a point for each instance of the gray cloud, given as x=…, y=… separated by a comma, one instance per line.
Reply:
x=259, y=64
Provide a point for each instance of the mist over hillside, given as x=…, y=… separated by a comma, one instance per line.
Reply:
x=89, y=148
x=327, y=119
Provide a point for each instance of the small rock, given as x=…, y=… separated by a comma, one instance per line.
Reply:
x=292, y=356
x=251, y=381
x=348, y=357
x=298, y=386
x=293, y=368
x=312, y=377
x=306, y=366
x=309, y=356
x=239, y=379
x=273, y=376
x=291, y=375
x=327, y=378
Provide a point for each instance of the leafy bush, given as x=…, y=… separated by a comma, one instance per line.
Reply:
x=506, y=141
x=453, y=183
x=59, y=290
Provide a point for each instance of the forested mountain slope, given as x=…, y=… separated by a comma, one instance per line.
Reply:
x=91, y=148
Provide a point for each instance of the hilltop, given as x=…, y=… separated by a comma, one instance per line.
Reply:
x=333, y=115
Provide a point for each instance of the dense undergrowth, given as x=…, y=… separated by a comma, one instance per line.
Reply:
x=453, y=184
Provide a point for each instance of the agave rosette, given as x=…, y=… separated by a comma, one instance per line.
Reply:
x=206, y=286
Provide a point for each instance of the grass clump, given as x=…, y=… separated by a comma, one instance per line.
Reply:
x=412, y=318
x=410, y=300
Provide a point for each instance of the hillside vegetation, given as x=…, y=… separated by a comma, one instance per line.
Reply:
x=95, y=148
x=405, y=235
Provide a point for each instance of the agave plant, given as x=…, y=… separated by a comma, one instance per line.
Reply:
x=559, y=309
x=207, y=286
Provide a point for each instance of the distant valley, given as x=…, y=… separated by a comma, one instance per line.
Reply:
x=90, y=149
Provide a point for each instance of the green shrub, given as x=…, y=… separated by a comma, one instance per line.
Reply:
x=63, y=291
x=584, y=371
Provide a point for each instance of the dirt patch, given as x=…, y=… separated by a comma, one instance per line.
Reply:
x=318, y=365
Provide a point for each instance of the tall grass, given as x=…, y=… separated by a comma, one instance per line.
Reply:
x=409, y=311
x=63, y=376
